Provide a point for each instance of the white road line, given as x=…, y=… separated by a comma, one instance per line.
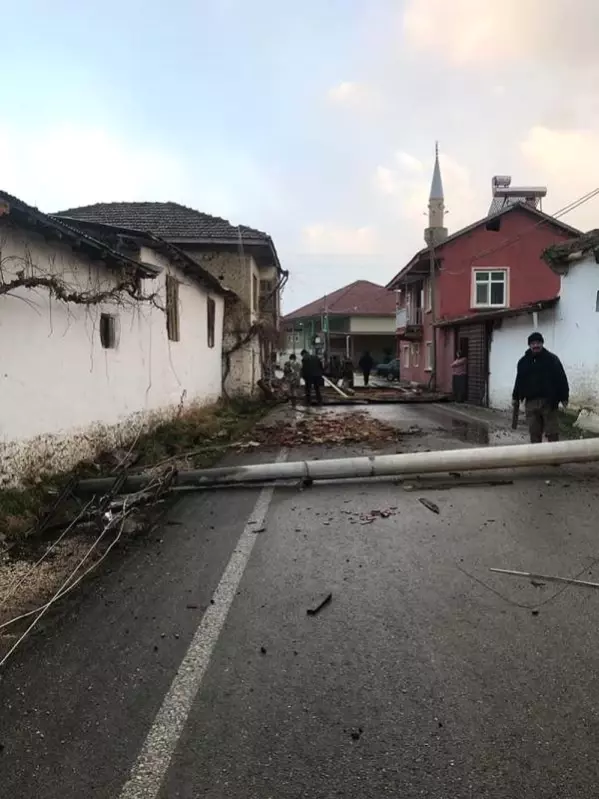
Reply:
x=151, y=766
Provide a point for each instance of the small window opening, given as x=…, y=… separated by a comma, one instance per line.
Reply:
x=494, y=224
x=172, y=308
x=211, y=321
x=597, y=302
x=108, y=331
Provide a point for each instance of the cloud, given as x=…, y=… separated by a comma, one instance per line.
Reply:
x=491, y=33
x=407, y=182
x=356, y=96
x=73, y=164
x=566, y=162
x=333, y=240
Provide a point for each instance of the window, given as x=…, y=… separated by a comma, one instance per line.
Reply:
x=489, y=288
x=415, y=354
x=108, y=331
x=255, y=292
x=597, y=302
x=211, y=321
x=428, y=293
x=406, y=356
x=428, y=356
x=267, y=295
x=172, y=308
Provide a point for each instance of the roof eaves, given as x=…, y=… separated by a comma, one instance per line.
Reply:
x=559, y=255
x=233, y=241
x=190, y=264
x=498, y=313
x=33, y=217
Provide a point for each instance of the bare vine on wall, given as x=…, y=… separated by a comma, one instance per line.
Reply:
x=21, y=272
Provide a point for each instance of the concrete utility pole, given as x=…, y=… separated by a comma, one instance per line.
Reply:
x=434, y=235
x=433, y=292
x=365, y=467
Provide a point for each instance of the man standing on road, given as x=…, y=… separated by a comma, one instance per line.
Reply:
x=347, y=374
x=312, y=373
x=542, y=383
x=459, y=372
x=292, y=371
x=366, y=363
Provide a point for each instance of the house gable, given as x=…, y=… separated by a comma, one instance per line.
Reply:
x=473, y=266
x=495, y=224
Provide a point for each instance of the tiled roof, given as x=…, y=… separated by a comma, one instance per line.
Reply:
x=168, y=220
x=116, y=237
x=558, y=253
x=361, y=298
x=31, y=217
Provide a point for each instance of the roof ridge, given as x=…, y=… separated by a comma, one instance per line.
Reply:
x=156, y=204
x=367, y=297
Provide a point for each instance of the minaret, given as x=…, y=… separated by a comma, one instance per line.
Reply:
x=436, y=233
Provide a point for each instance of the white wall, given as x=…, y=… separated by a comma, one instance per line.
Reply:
x=570, y=330
x=62, y=394
x=372, y=324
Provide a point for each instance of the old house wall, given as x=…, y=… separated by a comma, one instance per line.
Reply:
x=570, y=330
x=64, y=395
x=241, y=274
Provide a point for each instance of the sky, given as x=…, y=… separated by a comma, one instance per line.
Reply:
x=314, y=121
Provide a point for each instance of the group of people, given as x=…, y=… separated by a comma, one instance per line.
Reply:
x=541, y=383
x=312, y=372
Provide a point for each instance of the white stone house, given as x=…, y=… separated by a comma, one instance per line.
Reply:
x=570, y=327
x=242, y=258
x=99, y=339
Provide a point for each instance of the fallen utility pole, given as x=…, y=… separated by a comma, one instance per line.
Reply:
x=549, y=578
x=411, y=463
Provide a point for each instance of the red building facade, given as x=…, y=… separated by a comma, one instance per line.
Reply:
x=486, y=271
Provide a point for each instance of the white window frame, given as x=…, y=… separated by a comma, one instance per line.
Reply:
x=415, y=354
x=506, y=287
x=428, y=296
x=428, y=356
x=406, y=356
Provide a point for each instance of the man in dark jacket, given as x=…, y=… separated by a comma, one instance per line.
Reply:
x=542, y=383
x=366, y=364
x=312, y=373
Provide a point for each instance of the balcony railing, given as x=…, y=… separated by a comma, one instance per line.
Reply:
x=408, y=317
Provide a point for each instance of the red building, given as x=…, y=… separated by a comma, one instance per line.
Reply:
x=482, y=273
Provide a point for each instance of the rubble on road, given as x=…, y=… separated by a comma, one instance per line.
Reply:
x=432, y=506
x=326, y=428
x=368, y=517
x=322, y=604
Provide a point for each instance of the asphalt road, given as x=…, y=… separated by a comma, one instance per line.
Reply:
x=425, y=675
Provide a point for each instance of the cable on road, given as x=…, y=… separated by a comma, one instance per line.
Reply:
x=19, y=581
x=522, y=605
x=66, y=586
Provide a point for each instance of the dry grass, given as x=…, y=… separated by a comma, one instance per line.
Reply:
x=206, y=431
